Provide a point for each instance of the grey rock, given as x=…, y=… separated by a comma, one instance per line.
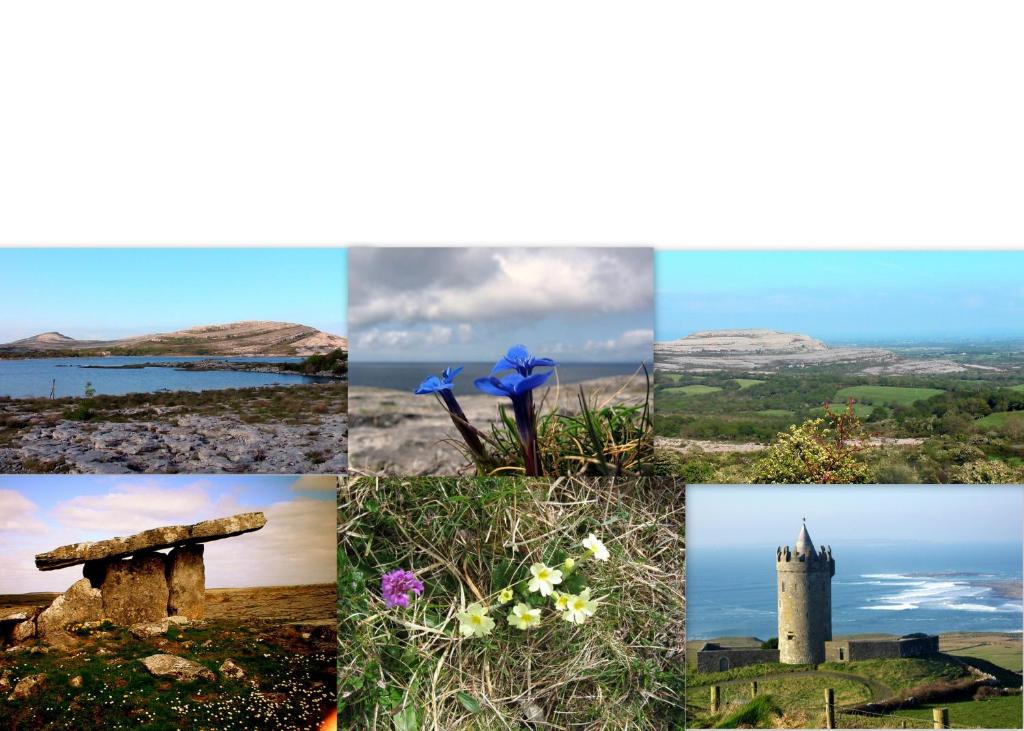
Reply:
x=27, y=687
x=80, y=603
x=146, y=630
x=186, y=581
x=135, y=590
x=178, y=668
x=230, y=670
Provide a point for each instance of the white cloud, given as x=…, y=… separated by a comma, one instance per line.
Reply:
x=133, y=508
x=629, y=341
x=520, y=283
x=385, y=339
x=298, y=545
x=18, y=514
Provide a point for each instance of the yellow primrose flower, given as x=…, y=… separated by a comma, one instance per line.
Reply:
x=505, y=596
x=561, y=601
x=522, y=617
x=593, y=544
x=579, y=607
x=544, y=579
x=568, y=564
x=474, y=621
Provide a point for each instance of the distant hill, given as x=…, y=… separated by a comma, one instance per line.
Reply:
x=252, y=337
x=747, y=341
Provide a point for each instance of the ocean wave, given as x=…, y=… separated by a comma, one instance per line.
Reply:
x=891, y=607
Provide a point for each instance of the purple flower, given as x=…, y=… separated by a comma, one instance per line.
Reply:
x=396, y=585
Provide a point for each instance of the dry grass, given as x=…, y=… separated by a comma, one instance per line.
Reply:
x=468, y=538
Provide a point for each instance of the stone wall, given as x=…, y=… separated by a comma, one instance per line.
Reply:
x=717, y=660
x=913, y=646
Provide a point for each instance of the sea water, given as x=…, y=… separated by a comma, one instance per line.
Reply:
x=407, y=376
x=895, y=588
x=33, y=377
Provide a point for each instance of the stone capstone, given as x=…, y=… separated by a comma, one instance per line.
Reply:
x=178, y=668
x=186, y=581
x=80, y=603
x=135, y=590
x=150, y=540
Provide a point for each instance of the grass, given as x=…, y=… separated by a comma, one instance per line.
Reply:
x=695, y=389
x=1001, y=418
x=745, y=383
x=466, y=539
x=880, y=395
x=759, y=712
x=297, y=404
x=903, y=672
x=288, y=683
x=1004, y=654
x=998, y=712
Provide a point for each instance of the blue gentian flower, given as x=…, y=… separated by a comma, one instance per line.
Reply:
x=433, y=384
x=518, y=359
x=519, y=388
x=443, y=388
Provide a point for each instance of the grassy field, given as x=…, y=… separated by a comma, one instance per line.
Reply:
x=289, y=669
x=1000, y=712
x=1001, y=418
x=879, y=395
x=1002, y=649
x=901, y=673
x=695, y=389
x=466, y=540
x=745, y=383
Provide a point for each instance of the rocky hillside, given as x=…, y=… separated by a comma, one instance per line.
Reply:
x=747, y=341
x=757, y=349
x=254, y=337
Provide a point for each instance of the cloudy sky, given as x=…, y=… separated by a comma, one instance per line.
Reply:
x=114, y=293
x=296, y=546
x=471, y=304
x=742, y=515
x=842, y=295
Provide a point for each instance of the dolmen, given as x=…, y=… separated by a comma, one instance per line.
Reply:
x=127, y=581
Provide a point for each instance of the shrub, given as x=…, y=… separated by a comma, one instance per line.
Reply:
x=819, y=451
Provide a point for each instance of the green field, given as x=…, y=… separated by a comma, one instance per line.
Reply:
x=774, y=412
x=861, y=410
x=1018, y=388
x=1001, y=712
x=695, y=389
x=747, y=382
x=1001, y=418
x=879, y=395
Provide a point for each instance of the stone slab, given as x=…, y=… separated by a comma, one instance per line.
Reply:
x=150, y=540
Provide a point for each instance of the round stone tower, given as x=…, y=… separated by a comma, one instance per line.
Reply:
x=805, y=600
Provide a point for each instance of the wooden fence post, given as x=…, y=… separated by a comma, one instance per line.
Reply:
x=940, y=718
x=830, y=708
x=716, y=698
x=753, y=689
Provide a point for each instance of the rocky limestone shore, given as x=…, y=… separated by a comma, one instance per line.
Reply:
x=178, y=442
x=213, y=364
x=399, y=433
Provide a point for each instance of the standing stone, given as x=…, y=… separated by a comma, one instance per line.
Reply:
x=135, y=590
x=186, y=581
x=80, y=603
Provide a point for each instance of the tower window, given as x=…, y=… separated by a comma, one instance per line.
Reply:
x=783, y=587
x=790, y=636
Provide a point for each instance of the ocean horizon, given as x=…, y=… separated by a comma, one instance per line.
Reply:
x=894, y=588
x=407, y=376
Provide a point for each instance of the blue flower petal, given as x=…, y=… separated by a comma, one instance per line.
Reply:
x=431, y=384
x=531, y=382
x=492, y=386
x=450, y=373
x=542, y=362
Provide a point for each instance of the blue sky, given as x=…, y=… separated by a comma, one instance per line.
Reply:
x=843, y=295
x=743, y=515
x=39, y=513
x=113, y=293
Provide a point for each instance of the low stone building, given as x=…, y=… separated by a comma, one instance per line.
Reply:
x=715, y=658
x=913, y=645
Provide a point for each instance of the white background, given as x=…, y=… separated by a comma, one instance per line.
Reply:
x=871, y=123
